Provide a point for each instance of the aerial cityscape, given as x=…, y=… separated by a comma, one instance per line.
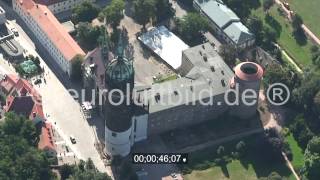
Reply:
x=159, y=90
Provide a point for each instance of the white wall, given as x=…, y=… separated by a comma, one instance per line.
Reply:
x=65, y=5
x=57, y=55
x=140, y=127
x=118, y=143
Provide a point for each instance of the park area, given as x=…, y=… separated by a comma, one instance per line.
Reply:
x=297, y=152
x=300, y=52
x=250, y=166
x=309, y=10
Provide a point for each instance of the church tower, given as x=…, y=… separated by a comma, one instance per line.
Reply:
x=118, y=106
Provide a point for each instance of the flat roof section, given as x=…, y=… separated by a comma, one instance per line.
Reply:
x=165, y=44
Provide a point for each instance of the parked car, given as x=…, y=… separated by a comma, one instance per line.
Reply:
x=73, y=139
x=38, y=81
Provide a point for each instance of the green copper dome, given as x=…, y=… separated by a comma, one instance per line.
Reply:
x=120, y=70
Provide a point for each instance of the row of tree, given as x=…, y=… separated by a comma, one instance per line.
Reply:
x=20, y=158
x=83, y=170
x=152, y=10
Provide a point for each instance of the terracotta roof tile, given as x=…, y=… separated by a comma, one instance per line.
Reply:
x=52, y=27
x=46, y=139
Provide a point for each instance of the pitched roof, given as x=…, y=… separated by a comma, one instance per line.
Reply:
x=46, y=141
x=238, y=33
x=25, y=94
x=52, y=28
x=217, y=12
x=95, y=58
x=22, y=105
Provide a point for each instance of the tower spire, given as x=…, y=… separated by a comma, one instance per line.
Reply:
x=104, y=44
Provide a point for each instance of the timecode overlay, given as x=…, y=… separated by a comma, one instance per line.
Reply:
x=160, y=158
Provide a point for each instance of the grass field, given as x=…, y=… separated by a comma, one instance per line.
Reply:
x=297, y=152
x=252, y=166
x=309, y=10
x=300, y=53
x=235, y=171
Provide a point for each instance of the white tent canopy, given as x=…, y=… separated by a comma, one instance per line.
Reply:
x=165, y=44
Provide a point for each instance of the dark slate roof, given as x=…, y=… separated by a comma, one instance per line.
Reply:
x=238, y=33
x=198, y=78
x=22, y=105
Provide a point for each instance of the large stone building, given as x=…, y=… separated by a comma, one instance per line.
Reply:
x=198, y=96
x=51, y=34
x=225, y=23
x=57, y=6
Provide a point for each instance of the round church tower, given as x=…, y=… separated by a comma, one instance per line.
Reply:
x=118, y=107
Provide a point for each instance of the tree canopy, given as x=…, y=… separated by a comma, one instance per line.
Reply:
x=84, y=12
x=77, y=68
x=87, y=35
x=144, y=10
x=190, y=26
x=163, y=10
x=312, y=159
x=20, y=159
x=229, y=54
x=276, y=73
x=296, y=21
x=84, y=170
x=267, y=4
x=304, y=94
x=113, y=13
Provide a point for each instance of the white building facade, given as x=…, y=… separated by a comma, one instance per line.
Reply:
x=61, y=5
x=54, y=38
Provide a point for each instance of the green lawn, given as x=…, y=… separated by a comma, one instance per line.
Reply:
x=252, y=166
x=235, y=170
x=300, y=53
x=166, y=78
x=309, y=10
x=297, y=152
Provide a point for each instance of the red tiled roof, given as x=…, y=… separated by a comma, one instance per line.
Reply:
x=46, y=138
x=24, y=89
x=8, y=82
x=51, y=26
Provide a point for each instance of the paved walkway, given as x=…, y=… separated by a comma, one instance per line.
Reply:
x=274, y=119
x=289, y=58
x=309, y=33
x=290, y=166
